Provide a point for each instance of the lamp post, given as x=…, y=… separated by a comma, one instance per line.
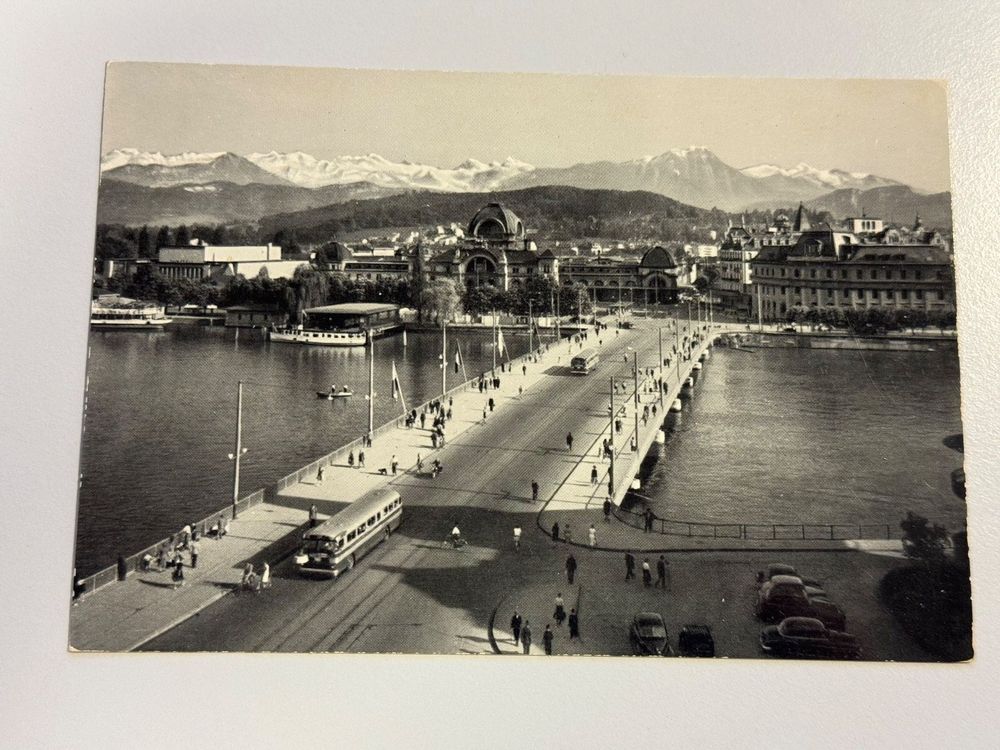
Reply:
x=238, y=449
x=635, y=395
x=444, y=357
x=611, y=411
x=371, y=384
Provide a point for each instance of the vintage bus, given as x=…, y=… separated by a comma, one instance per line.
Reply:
x=339, y=542
x=584, y=362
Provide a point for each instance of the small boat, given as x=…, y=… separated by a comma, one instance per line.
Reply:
x=331, y=396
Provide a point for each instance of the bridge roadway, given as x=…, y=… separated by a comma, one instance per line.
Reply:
x=410, y=594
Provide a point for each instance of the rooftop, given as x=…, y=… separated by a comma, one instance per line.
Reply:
x=353, y=308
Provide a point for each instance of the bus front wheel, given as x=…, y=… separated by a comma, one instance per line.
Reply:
x=350, y=562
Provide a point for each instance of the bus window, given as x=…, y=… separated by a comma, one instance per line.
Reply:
x=340, y=543
x=361, y=529
x=350, y=536
x=371, y=521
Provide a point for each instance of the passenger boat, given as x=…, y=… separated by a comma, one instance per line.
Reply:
x=300, y=335
x=331, y=396
x=127, y=314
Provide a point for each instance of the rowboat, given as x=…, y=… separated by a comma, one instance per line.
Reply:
x=331, y=396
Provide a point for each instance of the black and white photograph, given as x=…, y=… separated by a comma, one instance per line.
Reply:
x=417, y=362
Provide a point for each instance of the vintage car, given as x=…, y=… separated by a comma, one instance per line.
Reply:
x=696, y=640
x=807, y=637
x=786, y=596
x=648, y=635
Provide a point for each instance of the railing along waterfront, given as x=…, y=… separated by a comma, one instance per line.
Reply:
x=100, y=579
x=754, y=531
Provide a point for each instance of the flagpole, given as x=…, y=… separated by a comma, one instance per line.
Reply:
x=371, y=384
x=444, y=357
x=494, y=321
x=397, y=386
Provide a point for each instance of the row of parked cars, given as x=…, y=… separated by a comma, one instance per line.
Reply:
x=648, y=636
x=804, y=621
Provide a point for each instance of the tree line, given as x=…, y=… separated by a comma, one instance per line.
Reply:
x=872, y=321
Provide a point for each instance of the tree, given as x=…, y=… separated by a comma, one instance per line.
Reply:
x=145, y=242
x=441, y=300
x=183, y=235
x=219, y=235
x=921, y=540
x=163, y=238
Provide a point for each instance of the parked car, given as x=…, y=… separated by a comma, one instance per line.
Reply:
x=784, y=569
x=696, y=640
x=786, y=596
x=790, y=329
x=649, y=636
x=808, y=637
x=782, y=584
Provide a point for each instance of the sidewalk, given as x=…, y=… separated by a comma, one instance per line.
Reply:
x=124, y=615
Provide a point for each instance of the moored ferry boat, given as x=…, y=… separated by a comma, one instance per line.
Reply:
x=348, y=324
x=120, y=313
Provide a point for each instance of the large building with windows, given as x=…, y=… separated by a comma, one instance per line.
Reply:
x=497, y=251
x=825, y=268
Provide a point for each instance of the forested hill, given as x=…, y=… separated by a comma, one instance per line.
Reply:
x=548, y=212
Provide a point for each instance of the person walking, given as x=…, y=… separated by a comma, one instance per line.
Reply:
x=423, y=419
x=547, y=637
x=394, y=464
x=515, y=627
x=361, y=459
x=560, y=611
x=178, y=575
x=420, y=463
x=491, y=403
x=629, y=566
x=647, y=574
x=194, y=549
x=534, y=491
x=319, y=474
x=607, y=510
x=517, y=537
x=648, y=520
x=555, y=532
x=569, y=441
x=265, y=577
x=313, y=516
x=574, y=624
x=526, y=637
x=592, y=535
x=524, y=369
x=570, y=568
x=593, y=475
x=661, y=573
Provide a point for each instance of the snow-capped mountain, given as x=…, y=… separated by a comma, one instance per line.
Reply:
x=197, y=170
x=308, y=171
x=826, y=179
x=122, y=156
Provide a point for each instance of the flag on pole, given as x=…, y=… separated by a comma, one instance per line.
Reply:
x=397, y=389
x=500, y=347
x=458, y=357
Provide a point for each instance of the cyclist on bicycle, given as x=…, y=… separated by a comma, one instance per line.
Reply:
x=456, y=536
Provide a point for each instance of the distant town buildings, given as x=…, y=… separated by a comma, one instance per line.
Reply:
x=199, y=261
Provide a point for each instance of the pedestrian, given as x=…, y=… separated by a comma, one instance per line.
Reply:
x=629, y=566
x=569, y=441
x=560, y=611
x=434, y=440
x=193, y=548
x=248, y=576
x=570, y=568
x=319, y=474
x=520, y=390
x=526, y=637
x=450, y=403
x=547, y=639
x=517, y=537
x=491, y=403
x=265, y=577
x=661, y=573
x=648, y=519
x=607, y=510
x=484, y=415
x=448, y=415
x=515, y=627
x=555, y=532
x=574, y=624
x=592, y=535
x=524, y=369
x=313, y=516
x=593, y=475
x=647, y=574
x=534, y=491
x=178, y=575
x=567, y=534
x=394, y=464
x=361, y=459
x=225, y=527
x=423, y=419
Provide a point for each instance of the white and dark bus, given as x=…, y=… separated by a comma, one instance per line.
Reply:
x=584, y=362
x=339, y=542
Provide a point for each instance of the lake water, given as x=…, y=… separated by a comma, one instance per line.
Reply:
x=161, y=417
x=814, y=436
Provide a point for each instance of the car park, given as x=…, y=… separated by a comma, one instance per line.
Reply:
x=786, y=596
x=783, y=569
x=648, y=635
x=808, y=637
x=696, y=640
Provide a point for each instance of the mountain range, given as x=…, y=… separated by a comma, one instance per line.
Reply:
x=692, y=175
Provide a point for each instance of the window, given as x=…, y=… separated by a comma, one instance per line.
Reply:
x=361, y=529
x=796, y=273
x=858, y=273
x=905, y=293
x=874, y=273
x=919, y=275
x=920, y=294
x=829, y=273
x=350, y=536
x=940, y=294
x=902, y=274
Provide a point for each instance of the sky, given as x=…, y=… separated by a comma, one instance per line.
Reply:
x=892, y=128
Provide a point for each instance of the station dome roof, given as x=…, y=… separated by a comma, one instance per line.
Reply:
x=658, y=257
x=496, y=221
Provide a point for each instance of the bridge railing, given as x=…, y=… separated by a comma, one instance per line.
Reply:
x=755, y=531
